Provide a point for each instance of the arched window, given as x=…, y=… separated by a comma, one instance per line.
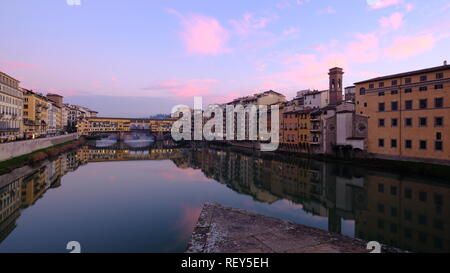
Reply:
x=362, y=91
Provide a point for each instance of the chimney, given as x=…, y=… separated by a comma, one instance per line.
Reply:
x=445, y=62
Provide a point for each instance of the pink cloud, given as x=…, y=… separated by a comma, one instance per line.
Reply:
x=446, y=7
x=392, y=22
x=248, y=24
x=378, y=4
x=364, y=49
x=327, y=10
x=309, y=70
x=409, y=7
x=306, y=70
x=409, y=46
x=182, y=87
x=290, y=31
x=11, y=65
x=204, y=35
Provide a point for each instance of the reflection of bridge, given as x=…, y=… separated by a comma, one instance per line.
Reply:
x=103, y=155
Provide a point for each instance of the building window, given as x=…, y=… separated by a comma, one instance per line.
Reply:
x=423, y=78
x=408, y=193
x=438, y=146
x=381, y=84
x=422, y=219
x=423, y=144
x=423, y=196
x=394, y=122
x=394, y=212
x=408, y=122
x=423, y=122
x=438, y=199
x=408, y=144
x=408, y=90
x=381, y=107
x=381, y=142
x=393, y=143
x=394, y=106
x=439, y=102
x=381, y=188
x=365, y=104
x=423, y=104
x=408, y=105
x=438, y=121
x=371, y=86
x=362, y=91
x=439, y=75
x=381, y=122
x=380, y=94
x=394, y=92
x=408, y=215
x=394, y=82
x=439, y=86
x=423, y=88
x=408, y=80
x=393, y=190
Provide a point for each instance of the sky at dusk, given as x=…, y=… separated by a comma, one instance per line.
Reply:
x=139, y=57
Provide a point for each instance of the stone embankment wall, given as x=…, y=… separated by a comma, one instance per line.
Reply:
x=18, y=148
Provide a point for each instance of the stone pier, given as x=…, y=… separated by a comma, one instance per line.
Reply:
x=226, y=230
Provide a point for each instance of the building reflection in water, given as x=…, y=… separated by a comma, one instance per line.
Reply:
x=411, y=214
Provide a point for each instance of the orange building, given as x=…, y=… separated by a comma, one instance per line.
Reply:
x=409, y=114
x=295, y=131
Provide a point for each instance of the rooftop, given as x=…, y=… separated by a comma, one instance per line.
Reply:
x=406, y=74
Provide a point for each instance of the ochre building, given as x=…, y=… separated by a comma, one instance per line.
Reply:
x=409, y=114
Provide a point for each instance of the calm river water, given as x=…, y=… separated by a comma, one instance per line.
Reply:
x=148, y=200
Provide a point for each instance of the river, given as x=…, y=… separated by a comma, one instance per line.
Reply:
x=116, y=199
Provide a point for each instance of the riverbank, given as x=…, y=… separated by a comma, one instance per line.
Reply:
x=40, y=155
x=222, y=229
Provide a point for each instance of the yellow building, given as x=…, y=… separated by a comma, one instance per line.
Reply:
x=91, y=125
x=35, y=114
x=11, y=105
x=409, y=114
x=295, y=132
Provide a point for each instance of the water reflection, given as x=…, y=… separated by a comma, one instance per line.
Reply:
x=403, y=212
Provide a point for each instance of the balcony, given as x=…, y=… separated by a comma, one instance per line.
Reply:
x=315, y=129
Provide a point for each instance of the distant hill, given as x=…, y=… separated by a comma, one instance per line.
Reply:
x=160, y=116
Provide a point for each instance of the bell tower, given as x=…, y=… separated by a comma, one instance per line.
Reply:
x=336, y=75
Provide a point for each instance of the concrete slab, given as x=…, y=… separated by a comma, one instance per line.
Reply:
x=226, y=230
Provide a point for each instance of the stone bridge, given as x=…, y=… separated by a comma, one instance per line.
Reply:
x=124, y=127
